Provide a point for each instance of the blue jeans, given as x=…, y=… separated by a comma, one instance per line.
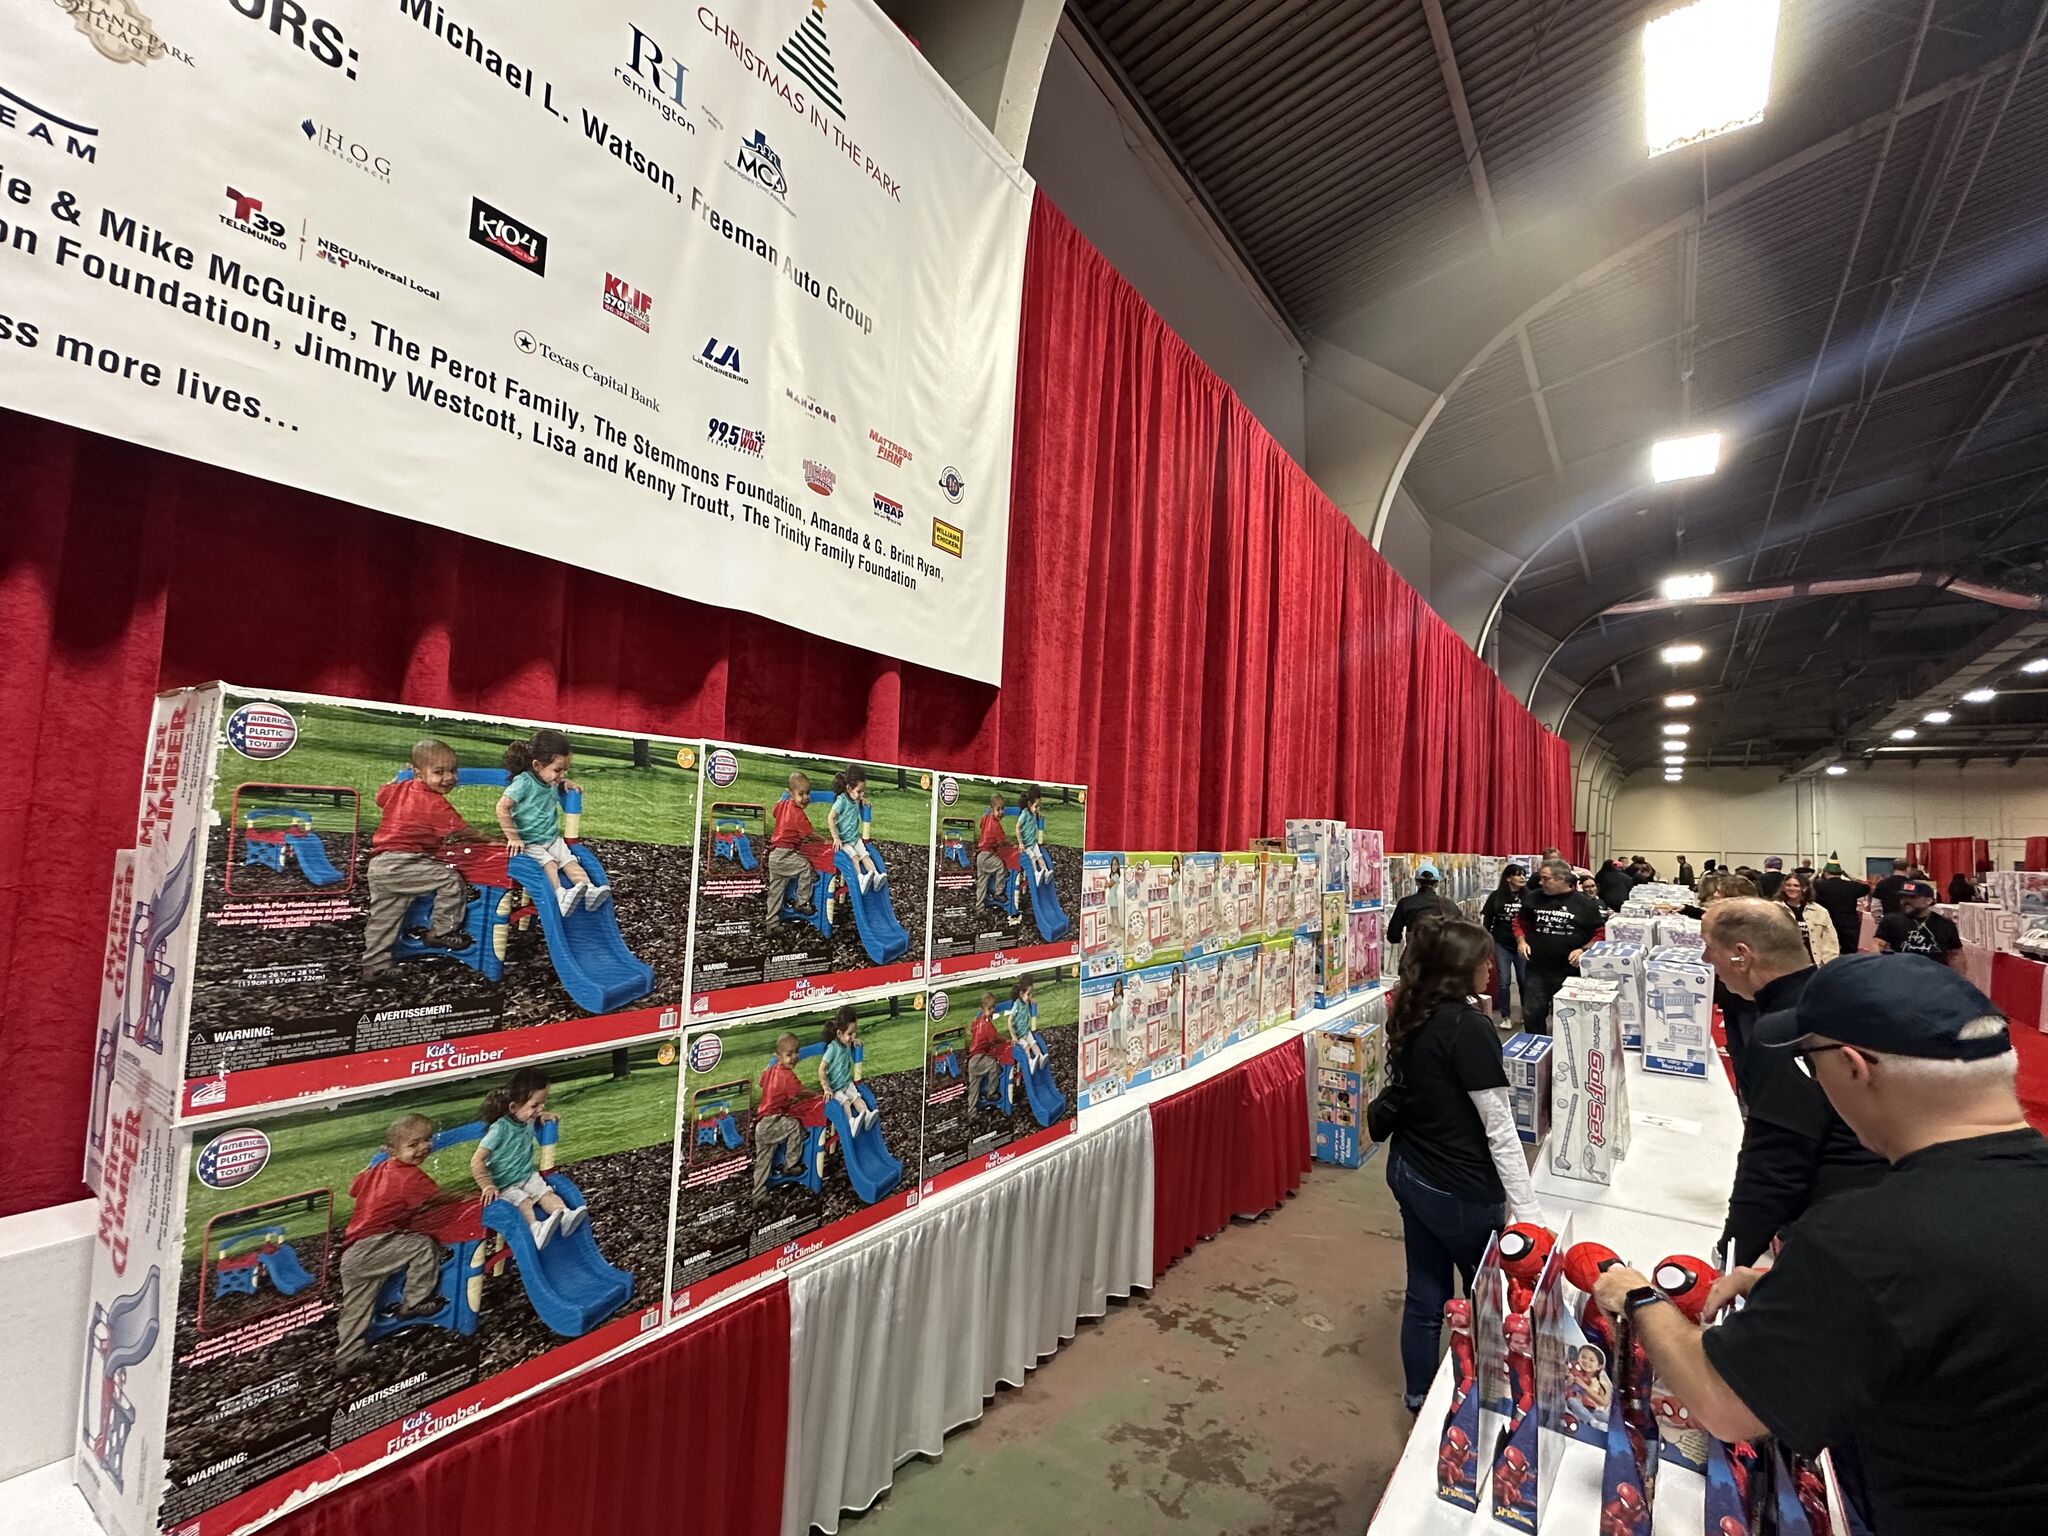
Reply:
x=1507, y=962
x=1442, y=1233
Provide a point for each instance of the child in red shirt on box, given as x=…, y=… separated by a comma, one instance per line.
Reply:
x=985, y=1051
x=777, y=1130
x=398, y=1222
x=418, y=823
x=990, y=867
x=787, y=862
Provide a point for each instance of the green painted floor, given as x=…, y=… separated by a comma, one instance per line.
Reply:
x=1257, y=1390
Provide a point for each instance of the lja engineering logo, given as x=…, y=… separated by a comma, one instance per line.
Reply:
x=250, y=219
x=517, y=242
x=631, y=305
x=819, y=478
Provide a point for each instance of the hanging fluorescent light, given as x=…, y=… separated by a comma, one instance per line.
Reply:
x=1679, y=701
x=1679, y=588
x=1679, y=655
x=1707, y=70
x=1676, y=728
x=2035, y=667
x=1980, y=695
x=1675, y=760
x=1904, y=733
x=1936, y=717
x=1836, y=770
x=1685, y=458
x=1674, y=778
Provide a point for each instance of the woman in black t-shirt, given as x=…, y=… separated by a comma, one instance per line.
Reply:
x=1455, y=1164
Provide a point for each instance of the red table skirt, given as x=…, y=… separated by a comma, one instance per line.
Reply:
x=687, y=1433
x=2016, y=989
x=1235, y=1145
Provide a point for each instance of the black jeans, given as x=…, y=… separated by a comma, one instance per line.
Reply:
x=1442, y=1233
x=1537, y=987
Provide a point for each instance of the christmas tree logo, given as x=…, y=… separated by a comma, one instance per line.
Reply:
x=808, y=55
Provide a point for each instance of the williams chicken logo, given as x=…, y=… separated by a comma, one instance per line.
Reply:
x=808, y=56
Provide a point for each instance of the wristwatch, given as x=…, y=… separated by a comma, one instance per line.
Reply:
x=1639, y=1297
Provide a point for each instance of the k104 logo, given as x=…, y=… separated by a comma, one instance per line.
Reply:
x=727, y=434
x=516, y=241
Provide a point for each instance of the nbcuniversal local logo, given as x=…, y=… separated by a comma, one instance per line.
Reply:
x=513, y=239
x=20, y=115
x=249, y=218
x=630, y=304
x=262, y=730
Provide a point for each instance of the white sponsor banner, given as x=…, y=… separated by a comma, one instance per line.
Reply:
x=722, y=299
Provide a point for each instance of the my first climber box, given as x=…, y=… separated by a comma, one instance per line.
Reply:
x=797, y=1130
x=814, y=880
x=1007, y=885
x=300, y=1294
x=330, y=895
x=1002, y=1061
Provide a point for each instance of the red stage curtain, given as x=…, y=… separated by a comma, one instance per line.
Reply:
x=1206, y=641
x=1946, y=857
x=1235, y=1145
x=686, y=1434
x=2037, y=853
x=2016, y=984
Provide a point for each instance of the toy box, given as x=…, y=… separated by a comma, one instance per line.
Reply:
x=1588, y=1082
x=1002, y=1064
x=1276, y=893
x=1627, y=928
x=1333, y=977
x=1308, y=893
x=1364, y=927
x=1308, y=969
x=2024, y=891
x=1238, y=986
x=1677, y=931
x=1276, y=982
x=1368, y=855
x=1678, y=1013
x=1102, y=913
x=1331, y=844
x=1106, y=1058
x=107, y=1056
x=1152, y=906
x=784, y=916
x=325, y=901
x=244, y=1345
x=754, y=1190
x=1622, y=964
x=1400, y=876
x=1239, y=916
x=1006, y=884
x=1152, y=1004
x=1202, y=1009
x=1347, y=1066
x=1527, y=1059
x=1201, y=876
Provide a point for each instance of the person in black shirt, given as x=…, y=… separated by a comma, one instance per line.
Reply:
x=1455, y=1164
x=1904, y=1318
x=1917, y=929
x=1887, y=890
x=1685, y=874
x=1795, y=1149
x=1614, y=882
x=1962, y=888
x=1497, y=917
x=1420, y=902
x=1838, y=896
x=1773, y=876
x=1552, y=930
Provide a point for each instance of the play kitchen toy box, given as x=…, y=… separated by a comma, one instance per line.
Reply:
x=330, y=895
x=299, y=1294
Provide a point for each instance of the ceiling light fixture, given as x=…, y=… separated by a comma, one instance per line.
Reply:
x=1676, y=728
x=1680, y=588
x=1904, y=733
x=2035, y=667
x=1679, y=701
x=1936, y=717
x=1706, y=70
x=1836, y=770
x=1675, y=760
x=1980, y=695
x=1685, y=458
x=1679, y=655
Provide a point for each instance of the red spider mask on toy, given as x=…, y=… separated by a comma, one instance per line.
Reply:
x=1523, y=1249
x=1513, y=1462
x=1673, y=1417
x=1686, y=1280
x=1584, y=1263
x=1516, y=1328
x=1455, y=1439
x=1458, y=1312
x=1730, y=1526
x=1629, y=1497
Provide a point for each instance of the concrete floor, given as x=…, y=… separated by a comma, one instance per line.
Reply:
x=1256, y=1391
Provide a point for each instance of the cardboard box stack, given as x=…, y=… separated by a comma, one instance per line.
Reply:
x=1588, y=1082
x=1678, y=1013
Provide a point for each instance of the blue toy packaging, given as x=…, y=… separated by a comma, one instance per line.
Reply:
x=1002, y=1058
x=307, y=1292
x=1276, y=982
x=1239, y=988
x=1152, y=909
x=1308, y=892
x=815, y=880
x=1202, y=1009
x=1678, y=1009
x=1276, y=891
x=331, y=895
x=796, y=1130
x=1201, y=876
x=1007, y=884
x=1527, y=1060
x=1347, y=1067
x=1531, y=1444
x=1152, y=1003
x=1330, y=842
x=1239, y=919
x=1107, y=1058
x=1102, y=913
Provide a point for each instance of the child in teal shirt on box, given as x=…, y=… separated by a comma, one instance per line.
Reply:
x=504, y=1164
x=839, y=1073
x=848, y=832
x=530, y=816
x=1031, y=833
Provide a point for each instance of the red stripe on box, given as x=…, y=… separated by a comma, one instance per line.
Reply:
x=988, y=1162
x=802, y=991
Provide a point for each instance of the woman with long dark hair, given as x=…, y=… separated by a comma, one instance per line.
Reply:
x=1455, y=1164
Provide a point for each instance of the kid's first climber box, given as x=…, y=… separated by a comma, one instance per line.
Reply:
x=302, y=1293
x=1007, y=885
x=1003, y=1067
x=330, y=895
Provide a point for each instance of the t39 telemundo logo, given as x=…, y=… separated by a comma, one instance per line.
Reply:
x=513, y=239
x=248, y=217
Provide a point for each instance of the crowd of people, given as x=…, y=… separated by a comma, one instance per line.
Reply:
x=1884, y=1224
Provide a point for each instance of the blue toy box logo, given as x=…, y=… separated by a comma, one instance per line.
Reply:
x=262, y=731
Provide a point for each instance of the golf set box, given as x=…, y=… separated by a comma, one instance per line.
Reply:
x=1588, y=1082
x=1678, y=1013
x=1007, y=886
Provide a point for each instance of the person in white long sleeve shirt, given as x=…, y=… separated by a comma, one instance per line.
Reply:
x=1455, y=1164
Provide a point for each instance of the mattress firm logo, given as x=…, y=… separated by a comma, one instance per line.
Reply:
x=512, y=239
x=20, y=115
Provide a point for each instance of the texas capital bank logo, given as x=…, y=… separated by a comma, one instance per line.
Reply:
x=630, y=304
x=513, y=239
x=249, y=218
x=22, y=116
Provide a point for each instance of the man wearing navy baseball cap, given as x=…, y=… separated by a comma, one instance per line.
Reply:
x=1903, y=1320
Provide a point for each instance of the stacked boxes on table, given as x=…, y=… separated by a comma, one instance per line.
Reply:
x=1152, y=1005
x=1201, y=877
x=1239, y=916
x=1636, y=928
x=1102, y=913
x=1152, y=910
x=1276, y=981
x=1202, y=1009
x=1364, y=927
x=1678, y=1013
x=1276, y=888
x=1007, y=886
x=1588, y=1082
x=1347, y=1067
x=1622, y=964
x=1527, y=1059
x=1238, y=991
x=1106, y=1059
x=2021, y=891
x=1677, y=931
x=1364, y=920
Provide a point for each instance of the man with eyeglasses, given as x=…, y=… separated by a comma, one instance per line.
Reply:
x=1795, y=1149
x=1905, y=1318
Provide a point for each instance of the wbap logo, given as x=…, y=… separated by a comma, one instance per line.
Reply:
x=262, y=731
x=232, y=1158
x=706, y=1052
x=723, y=767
